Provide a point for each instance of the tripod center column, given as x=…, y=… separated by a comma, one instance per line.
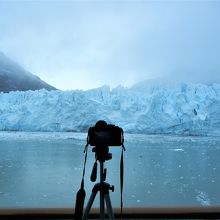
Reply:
x=101, y=172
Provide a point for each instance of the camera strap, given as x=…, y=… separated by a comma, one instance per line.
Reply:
x=85, y=152
x=84, y=166
x=122, y=171
x=81, y=194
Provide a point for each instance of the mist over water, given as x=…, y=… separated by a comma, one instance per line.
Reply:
x=44, y=170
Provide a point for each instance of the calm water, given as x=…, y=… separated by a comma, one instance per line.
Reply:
x=44, y=170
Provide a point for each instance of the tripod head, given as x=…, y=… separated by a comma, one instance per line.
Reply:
x=102, y=153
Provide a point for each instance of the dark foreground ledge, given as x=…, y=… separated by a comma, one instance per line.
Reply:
x=128, y=213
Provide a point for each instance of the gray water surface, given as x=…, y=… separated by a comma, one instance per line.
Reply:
x=45, y=169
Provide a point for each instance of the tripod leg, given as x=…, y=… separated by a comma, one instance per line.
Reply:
x=89, y=205
x=109, y=206
x=102, y=206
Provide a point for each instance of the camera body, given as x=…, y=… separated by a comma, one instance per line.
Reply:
x=103, y=134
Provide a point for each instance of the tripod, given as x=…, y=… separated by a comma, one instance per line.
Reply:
x=101, y=155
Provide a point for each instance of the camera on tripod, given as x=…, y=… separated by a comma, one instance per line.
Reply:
x=103, y=134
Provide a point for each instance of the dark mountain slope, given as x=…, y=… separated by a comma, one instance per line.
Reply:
x=13, y=77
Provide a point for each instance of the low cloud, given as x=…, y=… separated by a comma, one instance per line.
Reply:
x=75, y=45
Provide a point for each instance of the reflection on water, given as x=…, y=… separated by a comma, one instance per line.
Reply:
x=44, y=170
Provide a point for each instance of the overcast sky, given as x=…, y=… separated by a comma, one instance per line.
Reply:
x=86, y=44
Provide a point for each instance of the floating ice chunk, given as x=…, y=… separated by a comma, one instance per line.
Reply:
x=177, y=149
x=203, y=198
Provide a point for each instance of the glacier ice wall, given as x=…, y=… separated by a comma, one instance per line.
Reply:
x=186, y=109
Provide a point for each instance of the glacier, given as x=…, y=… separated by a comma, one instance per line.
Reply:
x=180, y=109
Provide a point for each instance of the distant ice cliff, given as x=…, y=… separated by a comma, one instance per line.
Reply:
x=186, y=109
